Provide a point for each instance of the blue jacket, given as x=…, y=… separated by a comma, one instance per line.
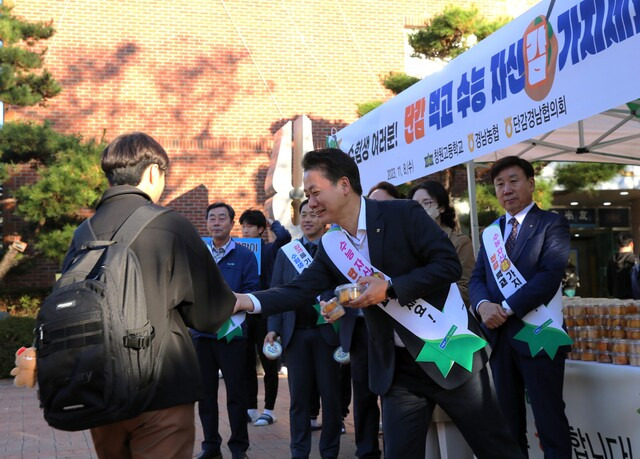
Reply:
x=239, y=268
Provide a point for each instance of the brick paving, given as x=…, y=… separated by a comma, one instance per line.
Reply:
x=24, y=434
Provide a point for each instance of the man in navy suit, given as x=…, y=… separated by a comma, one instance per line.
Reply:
x=540, y=250
x=401, y=240
x=308, y=348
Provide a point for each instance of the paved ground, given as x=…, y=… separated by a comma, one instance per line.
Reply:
x=25, y=435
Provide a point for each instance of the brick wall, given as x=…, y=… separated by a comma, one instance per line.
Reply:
x=212, y=81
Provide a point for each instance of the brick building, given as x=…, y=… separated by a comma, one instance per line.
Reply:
x=212, y=81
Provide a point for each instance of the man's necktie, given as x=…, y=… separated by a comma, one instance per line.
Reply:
x=311, y=248
x=511, y=240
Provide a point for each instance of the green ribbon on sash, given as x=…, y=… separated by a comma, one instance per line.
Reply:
x=229, y=331
x=458, y=349
x=543, y=337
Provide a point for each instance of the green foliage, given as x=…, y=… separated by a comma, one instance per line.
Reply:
x=55, y=204
x=446, y=35
x=21, y=142
x=23, y=81
x=15, y=332
x=366, y=107
x=543, y=194
x=487, y=204
x=585, y=176
x=396, y=82
x=22, y=302
x=25, y=306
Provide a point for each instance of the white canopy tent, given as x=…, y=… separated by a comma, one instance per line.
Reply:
x=541, y=87
x=612, y=136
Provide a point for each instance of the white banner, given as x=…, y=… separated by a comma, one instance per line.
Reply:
x=524, y=80
x=602, y=403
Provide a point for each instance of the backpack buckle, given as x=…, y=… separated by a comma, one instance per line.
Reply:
x=137, y=342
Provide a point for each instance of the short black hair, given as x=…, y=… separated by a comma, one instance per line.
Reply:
x=439, y=193
x=509, y=161
x=302, y=204
x=215, y=205
x=624, y=239
x=254, y=217
x=335, y=164
x=391, y=189
x=128, y=155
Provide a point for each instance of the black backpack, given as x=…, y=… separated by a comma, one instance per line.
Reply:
x=95, y=362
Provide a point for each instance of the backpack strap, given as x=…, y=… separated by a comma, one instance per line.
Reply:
x=136, y=222
x=83, y=234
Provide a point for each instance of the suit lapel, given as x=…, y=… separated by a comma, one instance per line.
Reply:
x=527, y=230
x=375, y=232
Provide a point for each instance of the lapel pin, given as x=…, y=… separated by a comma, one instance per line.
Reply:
x=377, y=230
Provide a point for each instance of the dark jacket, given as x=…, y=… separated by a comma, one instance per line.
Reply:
x=182, y=285
x=407, y=245
x=540, y=255
x=619, y=275
x=284, y=323
x=269, y=251
x=239, y=268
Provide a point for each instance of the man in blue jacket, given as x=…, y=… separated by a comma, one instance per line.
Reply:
x=226, y=350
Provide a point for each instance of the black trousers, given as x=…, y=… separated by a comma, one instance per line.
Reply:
x=310, y=358
x=407, y=408
x=256, y=331
x=543, y=379
x=214, y=355
x=366, y=413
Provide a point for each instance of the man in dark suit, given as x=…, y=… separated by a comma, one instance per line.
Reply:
x=399, y=239
x=537, y=244
x=308, y=348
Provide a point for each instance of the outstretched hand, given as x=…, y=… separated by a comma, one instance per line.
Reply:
x=243, y=303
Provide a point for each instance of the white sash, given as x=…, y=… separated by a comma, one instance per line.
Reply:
x=297, y=254
x=436, y=328
x=509, y=280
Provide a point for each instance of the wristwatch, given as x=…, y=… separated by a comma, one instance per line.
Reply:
x=391, y=292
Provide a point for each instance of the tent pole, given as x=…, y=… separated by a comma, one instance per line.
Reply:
x=473, y=208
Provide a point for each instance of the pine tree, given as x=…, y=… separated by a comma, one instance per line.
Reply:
x=69, y=177
x=23, y=80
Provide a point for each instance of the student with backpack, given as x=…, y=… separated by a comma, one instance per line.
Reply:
x=114, y=352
